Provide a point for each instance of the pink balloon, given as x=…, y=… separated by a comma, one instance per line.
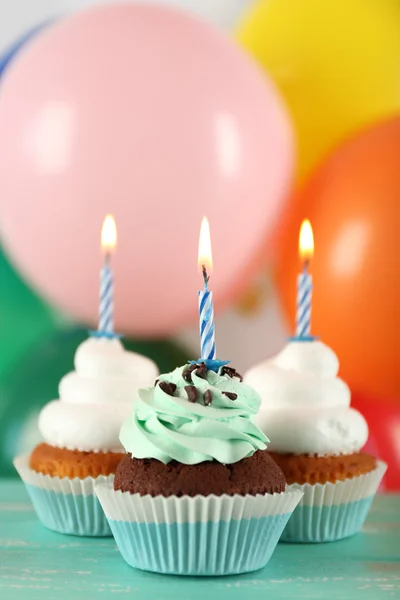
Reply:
x=154, y=116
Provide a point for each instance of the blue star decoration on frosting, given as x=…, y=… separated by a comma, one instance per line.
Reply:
x=109, y=335
x=212, y=364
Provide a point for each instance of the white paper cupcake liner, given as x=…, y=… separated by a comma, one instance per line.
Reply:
x=197, y=536
x=65, y=505
x=333, y=511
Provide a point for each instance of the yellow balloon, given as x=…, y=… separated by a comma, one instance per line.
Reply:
x=336, y=62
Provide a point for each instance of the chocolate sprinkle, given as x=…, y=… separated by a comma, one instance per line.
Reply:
x=156, y=381
x=230, y=395
x=207, y=396
x=201, y=371
x=168, y=387
x=187, y=373
x=231, y=372
x=192, y=393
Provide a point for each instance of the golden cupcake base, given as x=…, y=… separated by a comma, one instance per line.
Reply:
x=303, y=468
x=53, y=461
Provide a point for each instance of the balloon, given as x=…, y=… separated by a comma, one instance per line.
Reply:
x=352, y=202
x=383, y=419
x=13, y=50
x=34, y=381
x=20, y=15
x=24, y=318
x=336, y=63
x=154, y=116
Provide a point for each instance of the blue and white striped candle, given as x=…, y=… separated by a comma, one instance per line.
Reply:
x=304, y=282
x=106, y=304
x=207, y=329
x=206, y=307
x=304, y=297
x=106, y=298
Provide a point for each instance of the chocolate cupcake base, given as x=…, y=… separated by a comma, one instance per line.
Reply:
x=258, y=474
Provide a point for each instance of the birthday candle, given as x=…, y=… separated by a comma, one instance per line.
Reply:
x=206, y=307
x=106, y=299
x=304, y=282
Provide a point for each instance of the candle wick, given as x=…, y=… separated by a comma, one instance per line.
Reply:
x=306, y=264
x=107, y=258
x=205, y=277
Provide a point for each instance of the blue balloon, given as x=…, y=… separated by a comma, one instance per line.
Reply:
x=12, y=51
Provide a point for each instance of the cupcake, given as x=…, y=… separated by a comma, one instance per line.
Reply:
x=81, y=436
x=316, y=439
x=196, y=493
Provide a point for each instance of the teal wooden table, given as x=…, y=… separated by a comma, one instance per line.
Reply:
x=36, y=564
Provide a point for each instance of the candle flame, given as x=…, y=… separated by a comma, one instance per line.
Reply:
x=108, y=234
x=205, y=254
x=306, y=241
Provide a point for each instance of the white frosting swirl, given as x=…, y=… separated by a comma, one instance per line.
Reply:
x=305, y=407
x=96, y=398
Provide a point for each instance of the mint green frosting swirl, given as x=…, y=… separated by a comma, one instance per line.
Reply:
x=169, y=428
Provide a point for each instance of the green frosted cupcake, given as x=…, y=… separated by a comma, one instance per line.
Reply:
x=196, y=474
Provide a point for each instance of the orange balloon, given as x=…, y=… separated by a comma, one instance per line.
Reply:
x=353, y=203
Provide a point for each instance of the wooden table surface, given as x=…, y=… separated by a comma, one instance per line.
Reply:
x=37, y=564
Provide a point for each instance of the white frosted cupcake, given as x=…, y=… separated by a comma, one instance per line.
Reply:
x=81, y=436
x=316, y=438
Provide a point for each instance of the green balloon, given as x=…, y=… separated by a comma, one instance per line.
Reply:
x=34, y=380
x=24, y=317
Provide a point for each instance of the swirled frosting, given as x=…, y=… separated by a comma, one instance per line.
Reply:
x=304, y=405
x=188, y=418
x=96, y=398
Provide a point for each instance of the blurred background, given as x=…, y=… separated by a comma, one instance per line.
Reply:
x=256, y=113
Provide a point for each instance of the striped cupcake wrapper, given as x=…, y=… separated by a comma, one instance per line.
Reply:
x=65, y=505
x=333, y=511
x=196, y=536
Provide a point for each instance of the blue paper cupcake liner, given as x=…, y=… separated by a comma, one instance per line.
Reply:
x=197, y=536
x=333, y=511
x=65, y=505
x=224, y=548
